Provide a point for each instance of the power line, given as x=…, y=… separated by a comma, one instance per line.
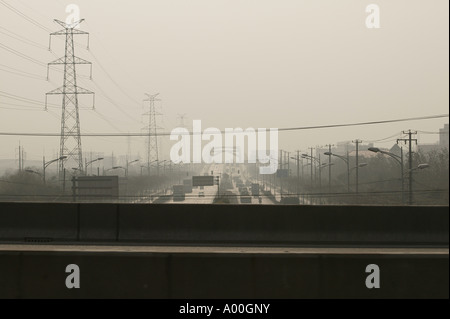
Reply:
x=24, y=99
x=387, y=139
x=425, y=132
x=23, y=56
x=22, y=39
x=112, y=80
x=110, y=100
x=23, y=108
x=223, y=132
x=24, y=16
x=23, y=75
x=28, y=58
x=119, y=65
x=365, y=123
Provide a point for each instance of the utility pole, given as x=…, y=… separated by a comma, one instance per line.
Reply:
x=128, y=147
x=357, y=142
x=281, y=174
x=288, y=163
x=181, y=118
x=20, y=158
x=70, y=144
x=410, y=140
x=298, y=173
x=23, y=159
x=329, y=167
x=320, y=172
x=312, y=167
x=152, y=131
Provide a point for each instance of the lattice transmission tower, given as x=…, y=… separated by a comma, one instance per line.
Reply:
x=152, y=132
x=70, y=144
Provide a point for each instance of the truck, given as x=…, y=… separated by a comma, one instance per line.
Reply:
x=179, y=194
x=255, y=190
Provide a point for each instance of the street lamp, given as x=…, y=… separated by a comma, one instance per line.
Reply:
x=327, y=165
x=33, y=172
x=357, y=167
x=128, y=164
x=421, y=167
x=418, y=168
x=117, y=167
x=164, y=166
x=312, y=158
x=93, y=161
x=297, y=159
x=47, y=164
x=149, y=165
x=347, y=162
x=398, y=159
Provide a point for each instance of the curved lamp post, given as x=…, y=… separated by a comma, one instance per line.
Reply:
x=347, y=162
x=398, y=159
x=47, y=164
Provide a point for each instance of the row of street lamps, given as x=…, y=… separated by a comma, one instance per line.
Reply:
x=397, y=158
x=87, y=164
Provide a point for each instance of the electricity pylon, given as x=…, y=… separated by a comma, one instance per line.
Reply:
x=70, y=145
x=152, y=131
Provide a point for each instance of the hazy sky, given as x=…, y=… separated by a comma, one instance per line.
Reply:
x=233, y=63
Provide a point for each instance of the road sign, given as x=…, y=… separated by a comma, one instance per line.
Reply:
x=91, y=187
x=202, y=181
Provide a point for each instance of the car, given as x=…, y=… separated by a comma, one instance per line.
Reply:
x=246, y=200
x=201, y=194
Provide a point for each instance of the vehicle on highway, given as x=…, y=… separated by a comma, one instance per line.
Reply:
x=201, y=194
x=246, y=199
x=290, y=201
x=179, y=194
x=187, y=186
x=255, y=190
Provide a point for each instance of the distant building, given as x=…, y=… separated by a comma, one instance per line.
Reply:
x=428, y=148
x=363, y=154
x=443, y=137
x=344, y=147
x=396, y=149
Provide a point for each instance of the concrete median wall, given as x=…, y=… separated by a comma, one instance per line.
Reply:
x=225, y=224
x=206, y=276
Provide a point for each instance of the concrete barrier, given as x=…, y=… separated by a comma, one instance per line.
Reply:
x=207, y=276
x=225, y=224
x=34, y=222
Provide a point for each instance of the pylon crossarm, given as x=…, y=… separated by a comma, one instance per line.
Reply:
x=81, y=61
x=58, y=61
x=56, y=91
x=69, y=26
x=81, y=90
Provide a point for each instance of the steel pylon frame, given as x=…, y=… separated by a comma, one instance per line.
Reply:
x=152, y=131
x=70, y=144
